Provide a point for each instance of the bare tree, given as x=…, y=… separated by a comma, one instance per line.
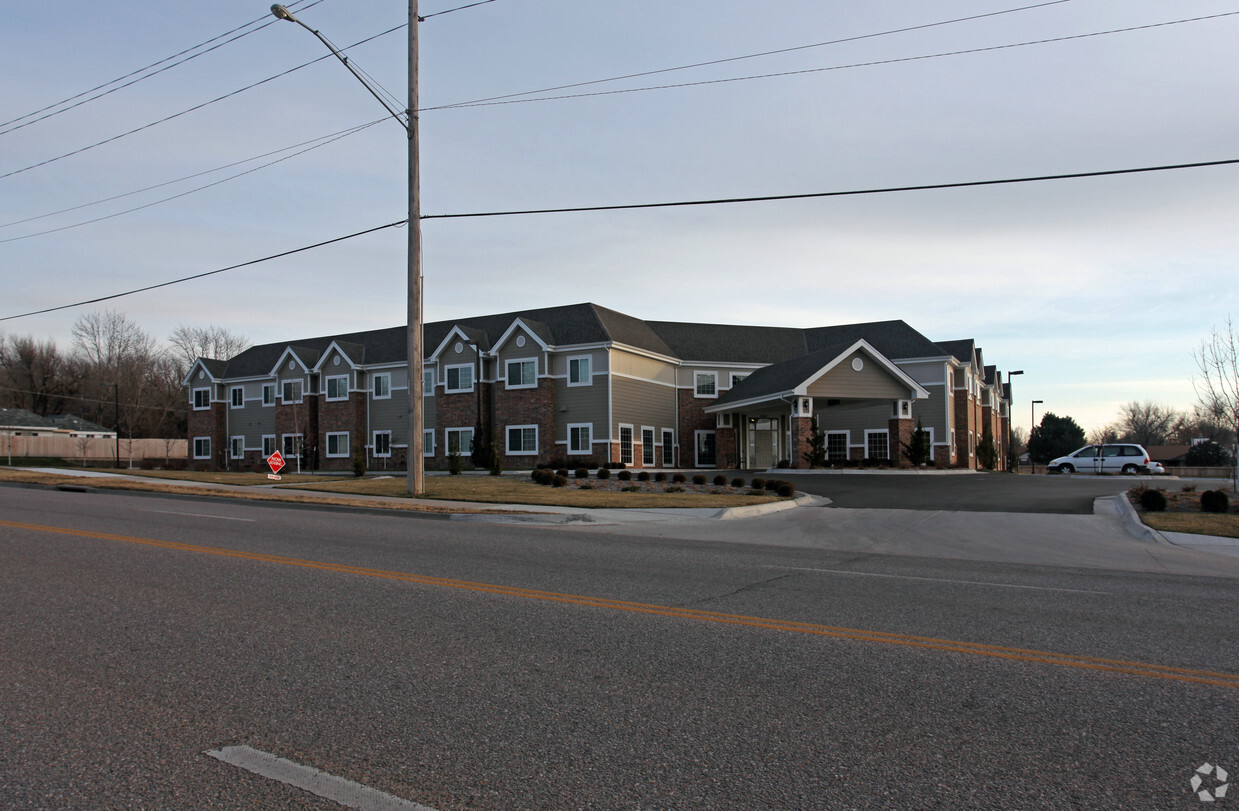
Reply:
x=1103, y=434
x=1146, y=423
x=118, y=360
x=191, y=343
x=1217, y=386
x=34, y=375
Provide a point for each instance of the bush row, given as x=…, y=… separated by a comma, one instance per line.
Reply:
x=560, y=478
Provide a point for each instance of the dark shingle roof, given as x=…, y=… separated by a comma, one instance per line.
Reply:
x=960, y=350
x=894, y=339
x=740, y=344
x=784, y=376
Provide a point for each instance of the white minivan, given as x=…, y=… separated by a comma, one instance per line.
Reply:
x=1116, y=458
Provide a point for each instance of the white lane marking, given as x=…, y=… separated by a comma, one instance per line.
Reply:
x=943, y=580
x=203, y=515
x=345, y=792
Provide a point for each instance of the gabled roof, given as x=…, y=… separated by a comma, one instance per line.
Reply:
x=353, y=352
x=739, y=344
x=214, y=368
x=961, y=350
x=894, y=339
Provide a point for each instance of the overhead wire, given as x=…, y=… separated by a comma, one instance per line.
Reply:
x=634, y=206
x=136, y=73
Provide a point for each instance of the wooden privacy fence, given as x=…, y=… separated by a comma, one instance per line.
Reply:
x=91, y=451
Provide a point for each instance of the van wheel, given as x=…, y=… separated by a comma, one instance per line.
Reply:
x=1066, y=469
x=1130, y=470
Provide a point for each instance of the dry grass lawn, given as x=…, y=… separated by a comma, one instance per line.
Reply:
x=1223, y=525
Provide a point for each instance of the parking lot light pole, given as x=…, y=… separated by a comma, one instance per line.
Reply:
x=1012, y=460
x=416, y=472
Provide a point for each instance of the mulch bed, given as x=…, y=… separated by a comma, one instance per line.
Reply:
x=1182, y=501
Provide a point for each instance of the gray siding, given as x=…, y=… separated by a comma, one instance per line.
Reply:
x=872, y=381
x=639, y=402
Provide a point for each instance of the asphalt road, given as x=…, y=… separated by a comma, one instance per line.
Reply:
x=463, y=665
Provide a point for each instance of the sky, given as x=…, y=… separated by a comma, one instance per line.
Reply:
x=1099, y=289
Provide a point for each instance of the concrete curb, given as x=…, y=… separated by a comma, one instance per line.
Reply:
x=755, y=510
x=1126, y=512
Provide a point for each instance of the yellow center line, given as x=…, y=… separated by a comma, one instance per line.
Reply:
x=932, y=643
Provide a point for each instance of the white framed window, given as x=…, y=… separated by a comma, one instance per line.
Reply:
x=291, y=392
x=268, y=445
x=292, y=446
x=668, y=448
x=704, y=446
x=458, y=378
x=202, y=399
x=736, y=378
x=722, y=420
x=268, y=396
x=836, y=446
x=382, y=443
x=647, y=447
x=877, y=444
x=236, y=447
x=521, y=374
x=337, y=387
x=237, y=397
x=428, y=381
x=705, y=384
x=580, y=371
x=625, y=438
x=202, y=447
x=459, y=441
x=428, y=442
x=580, y=438
x=380, y=386
x=337, y=444
x=522, y=440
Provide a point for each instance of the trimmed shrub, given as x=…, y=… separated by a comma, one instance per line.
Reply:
x=678, y=478
x=581, y=473
x=454, y=464
x=624, y=476
x=773, y=484
x=758, y=484
x=643, y=476
x=660, y=476
x=560, y=481
x=737, y=482
x=720, y=480
x=784, y=464
x=1153, y=500
x=562, y=472
x=604, y=473
x=1214, y=501
x=699, y=478
x=785, y=490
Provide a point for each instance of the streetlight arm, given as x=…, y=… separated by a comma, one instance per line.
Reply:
x=284, y=14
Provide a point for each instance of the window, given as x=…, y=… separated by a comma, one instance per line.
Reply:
x=236, y=447
x=428, y=442
x=706, y=384
x=238, y=397
x=292, y=446
x=268, y=395
x=579, y=373
x=522, y=440
x=705, y=448
x=877, y=445
x=668, y=448
x=722, y=421
x=459, y=441
x=337, y=444
x=522, y=374
x=459, y=378
x=268, y=445
x=382, y=443
x=337, y=387
x=428, y=382
x=836, y=446
x=202, y=399
x=647, y=447
x=380, y=386
x=625, y=437
x=291, y=392
x=202, y=447
x=735, y=378
x=580, y=438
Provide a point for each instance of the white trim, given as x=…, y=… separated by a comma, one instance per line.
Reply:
x=697, y=385
x=337, y=454
x=847, y=444
x=447, y=376
x=333, y=348
x=665, y=445
x=507, y=440
x=589, y=378
x=198, y=455
x=235, y=442
x=428, y=442
x=697, y=449
x=631, y=442
x=327, y=388
x=507, y=373
x=375, y=377
x=194, y=399
x=300, y=382
x=429, y=378
x=232, y=397
x=288, y=350
x=374, y=444
x=273, y=388
x=447, y=441
x=648, y=449
x=884, y=432
x=518, y=323
x=275, y=445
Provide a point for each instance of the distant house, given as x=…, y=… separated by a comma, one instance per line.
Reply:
x=583, y=385
x=20, y=422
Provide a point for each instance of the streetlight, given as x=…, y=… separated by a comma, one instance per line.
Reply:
x=416, y=473
x=1032, y=422
x=1011, y=458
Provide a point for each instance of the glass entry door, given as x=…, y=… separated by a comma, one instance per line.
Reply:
x=763, y=439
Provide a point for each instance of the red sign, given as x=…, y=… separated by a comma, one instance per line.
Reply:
x=276, y=462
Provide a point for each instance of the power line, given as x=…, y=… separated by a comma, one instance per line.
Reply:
x=634, y=206
x=834, y=67
x=422, y=19
x=137, y=73
x=748, y=56
x=168, y=118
